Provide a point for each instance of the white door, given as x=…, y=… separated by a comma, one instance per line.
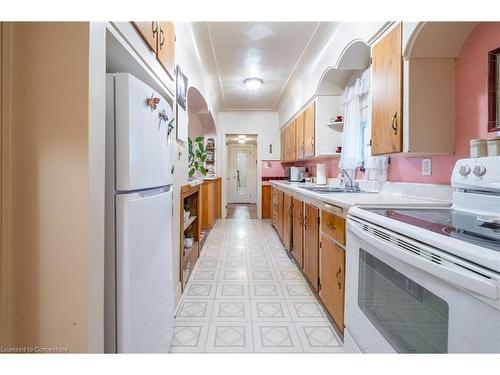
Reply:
x=243, y=173
x=142, y=146
x=144, y=271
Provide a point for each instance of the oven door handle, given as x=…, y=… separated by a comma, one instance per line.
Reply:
x=461, y=277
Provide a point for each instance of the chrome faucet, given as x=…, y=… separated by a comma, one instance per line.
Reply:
x=350, y=185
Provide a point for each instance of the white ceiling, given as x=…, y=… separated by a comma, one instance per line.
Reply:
x=234, y=138
x=267, y=50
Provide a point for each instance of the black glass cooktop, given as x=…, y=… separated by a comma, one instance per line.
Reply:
x=461, y=225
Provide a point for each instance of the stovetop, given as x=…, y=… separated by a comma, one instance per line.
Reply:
x=453, y=223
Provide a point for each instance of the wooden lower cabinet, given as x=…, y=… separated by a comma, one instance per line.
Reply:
x=274, y=207
x=311, y=245
x=298, y=231
x=333, y=226
x=279, y=206
x=210, y=203
x=266, y=201
x=218, y=198
x=332, y=279
x=287, y=221
x=207, y=204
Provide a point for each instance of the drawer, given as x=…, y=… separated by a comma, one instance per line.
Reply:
x=333, y=226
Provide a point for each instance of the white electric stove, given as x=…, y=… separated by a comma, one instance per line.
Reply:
x=428, y=280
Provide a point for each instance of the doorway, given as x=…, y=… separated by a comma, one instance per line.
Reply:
x=241, y=173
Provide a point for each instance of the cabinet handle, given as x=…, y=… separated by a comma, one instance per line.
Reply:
x=394, y=122
x=331, y=226
x=162, y=37
x=339, y=282
x=154, y=27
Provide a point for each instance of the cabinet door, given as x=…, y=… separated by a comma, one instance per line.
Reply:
x=266, y=202
x=282, y=146
x=292, y=140
x=387, y=94
x=298, y=228
x=309, y=129
x=332, y=276
x=274, y=207
x=280, y=214
x=166, y=47
x=299, y=137
x=311, y=245
x=207, y=205
x=218, y=198
x=287, y=221
x=149, y=32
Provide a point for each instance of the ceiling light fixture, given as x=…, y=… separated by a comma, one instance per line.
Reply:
x=253, y=83
x=242, y=140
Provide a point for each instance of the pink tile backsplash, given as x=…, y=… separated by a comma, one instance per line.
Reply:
x=272, y=168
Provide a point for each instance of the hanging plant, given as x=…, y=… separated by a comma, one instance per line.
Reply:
x=197, y=156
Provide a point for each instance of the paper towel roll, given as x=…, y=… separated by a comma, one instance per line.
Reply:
x=321, y=174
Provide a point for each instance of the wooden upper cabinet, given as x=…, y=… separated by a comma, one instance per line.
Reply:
x=309, y=129
x=332, y=279
x=311, y=245
x=166, y=47
x=291, y=140
x=387, y=94
x=287, y=221
x=282, y=146
x=299, y=137
x=160, y=37
x=148, y=31
x=298, y=231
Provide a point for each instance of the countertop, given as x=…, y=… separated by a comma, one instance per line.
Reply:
x=347, y=200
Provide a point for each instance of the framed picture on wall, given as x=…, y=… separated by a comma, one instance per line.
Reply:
x=181, y=82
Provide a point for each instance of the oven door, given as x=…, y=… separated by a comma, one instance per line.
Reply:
x=403, y=297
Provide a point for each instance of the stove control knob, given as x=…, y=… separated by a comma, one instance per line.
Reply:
x=464, y=170
x=479, y=170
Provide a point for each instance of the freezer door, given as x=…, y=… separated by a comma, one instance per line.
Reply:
x=144, y=272
x=143, y=150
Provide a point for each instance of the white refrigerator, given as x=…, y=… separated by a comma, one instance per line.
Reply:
x=139, y=290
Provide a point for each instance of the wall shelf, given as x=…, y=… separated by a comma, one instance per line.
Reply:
x=336, y=125
x=190, y=221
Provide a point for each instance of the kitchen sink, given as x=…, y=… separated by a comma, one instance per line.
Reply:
x=327, y=190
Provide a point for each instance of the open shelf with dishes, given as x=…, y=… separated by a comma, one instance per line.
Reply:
x=190, y=230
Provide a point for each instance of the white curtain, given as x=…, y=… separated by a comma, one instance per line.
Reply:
x=352, y=157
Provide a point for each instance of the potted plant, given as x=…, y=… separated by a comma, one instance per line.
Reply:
x=197, y=157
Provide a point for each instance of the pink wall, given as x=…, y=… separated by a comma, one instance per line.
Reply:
x=471, y=108
x=276, y=169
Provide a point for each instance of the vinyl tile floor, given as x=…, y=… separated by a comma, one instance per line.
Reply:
x=241, y=211
x=245, y=295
